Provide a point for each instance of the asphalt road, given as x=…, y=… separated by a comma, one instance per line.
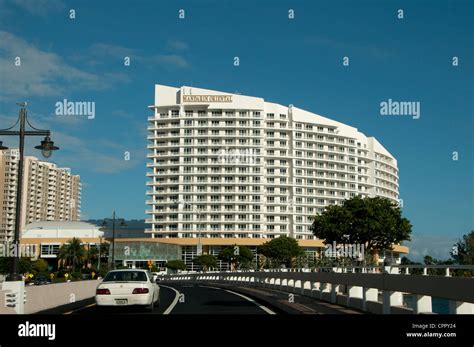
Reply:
x=186, y=299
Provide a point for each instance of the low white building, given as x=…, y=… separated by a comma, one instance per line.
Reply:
x=48, y=237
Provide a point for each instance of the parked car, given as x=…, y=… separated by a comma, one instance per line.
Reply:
x=86, y=276
x=41, y=281
x=128, y=287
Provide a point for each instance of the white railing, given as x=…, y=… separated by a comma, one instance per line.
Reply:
x=376, y=289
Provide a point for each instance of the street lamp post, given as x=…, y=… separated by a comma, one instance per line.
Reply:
x=98, y=259
x=46, y=147
x=122, y=224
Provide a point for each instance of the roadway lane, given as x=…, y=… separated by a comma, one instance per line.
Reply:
x=167, y=296
x=187, y=299
x=204, y=299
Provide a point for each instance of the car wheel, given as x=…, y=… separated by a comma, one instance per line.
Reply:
x=151, y=307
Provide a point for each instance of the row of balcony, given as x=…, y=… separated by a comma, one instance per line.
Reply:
x=270, y=180
x=256, y=190
x=201, y=116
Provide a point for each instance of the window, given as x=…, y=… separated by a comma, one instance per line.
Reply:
x=126, y=276
x=49, y=250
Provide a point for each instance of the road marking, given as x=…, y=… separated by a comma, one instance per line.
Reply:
x=264, y=308
x=175, y=301
x=202, y=286
x=81, y=308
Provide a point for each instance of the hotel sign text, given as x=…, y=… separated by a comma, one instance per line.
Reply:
x=207, y=98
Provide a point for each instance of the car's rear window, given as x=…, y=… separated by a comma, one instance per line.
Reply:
x=126, y=276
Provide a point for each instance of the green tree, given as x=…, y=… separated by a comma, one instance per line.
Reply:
x=377, y=223
x=25, y=265
x=463, y=250
x=406, y=261
x=281, y=250
x=72, y=253
x=206, y=261
x=104, y=254
x=414, y=271
x=236, y=256
x=92, y=256
x=40, y=266
x=429, y=260
x=176, y=265
x=6, y=263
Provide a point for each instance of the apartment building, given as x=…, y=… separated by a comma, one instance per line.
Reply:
x=49, y=193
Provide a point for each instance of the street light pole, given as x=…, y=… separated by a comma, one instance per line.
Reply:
x=46, y=147
x=15, y=274
x=122, y=223
x=98, y=260
x=113, y=240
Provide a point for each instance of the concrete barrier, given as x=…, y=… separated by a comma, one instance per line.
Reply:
x=40, y=298
x=361, y=289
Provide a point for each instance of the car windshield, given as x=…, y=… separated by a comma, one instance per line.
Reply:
x=125, y=276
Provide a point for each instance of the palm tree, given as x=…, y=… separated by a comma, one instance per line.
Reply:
x=72, y=253
x=92, y=255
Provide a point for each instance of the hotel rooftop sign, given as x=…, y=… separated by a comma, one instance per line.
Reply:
x=207, y=98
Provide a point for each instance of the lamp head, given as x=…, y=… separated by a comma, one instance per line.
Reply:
x=46, y=147
x=2, y=147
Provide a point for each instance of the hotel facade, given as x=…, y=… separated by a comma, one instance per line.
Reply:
x=231, y=169
x=49, y=193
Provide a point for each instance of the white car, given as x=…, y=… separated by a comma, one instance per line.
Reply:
x=128, y=287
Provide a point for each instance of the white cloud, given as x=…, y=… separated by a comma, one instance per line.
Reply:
x=40, y=8
x=437, y=246
x=105, y=49
x=43, y=73
x=99, y=156
x=102, y=50
x=170, y=60
x=348, y=46
x=178, y=45
x=7, y=121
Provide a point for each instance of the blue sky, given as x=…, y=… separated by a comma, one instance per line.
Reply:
x=296, y=61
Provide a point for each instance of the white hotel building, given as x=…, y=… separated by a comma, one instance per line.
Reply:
x=245, y=170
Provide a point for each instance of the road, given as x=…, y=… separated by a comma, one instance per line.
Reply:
x=187, y=299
